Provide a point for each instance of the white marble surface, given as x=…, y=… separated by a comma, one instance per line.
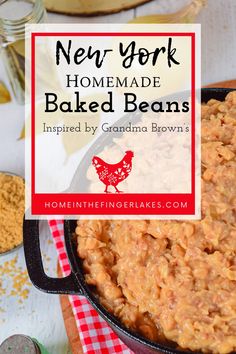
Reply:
x=40, y=315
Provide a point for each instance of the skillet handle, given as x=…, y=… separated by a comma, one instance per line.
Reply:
x=33, y=257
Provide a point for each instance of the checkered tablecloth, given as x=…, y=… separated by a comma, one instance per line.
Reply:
x=95, y=335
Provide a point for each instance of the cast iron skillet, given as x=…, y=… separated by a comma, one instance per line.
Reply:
x=75, y=283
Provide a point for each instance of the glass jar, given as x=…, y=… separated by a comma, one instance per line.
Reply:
x=14, y=15
x=21, y=344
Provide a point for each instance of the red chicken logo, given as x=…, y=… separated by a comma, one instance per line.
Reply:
x=113, y=174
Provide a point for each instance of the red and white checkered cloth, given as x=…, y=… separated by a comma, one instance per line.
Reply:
x=95, y=335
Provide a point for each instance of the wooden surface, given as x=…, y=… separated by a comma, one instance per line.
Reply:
x=67, y=313
x=69, y=320
x=91, y=7
x=224, y=84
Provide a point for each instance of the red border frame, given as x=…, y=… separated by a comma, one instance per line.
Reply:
x=38, y=200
